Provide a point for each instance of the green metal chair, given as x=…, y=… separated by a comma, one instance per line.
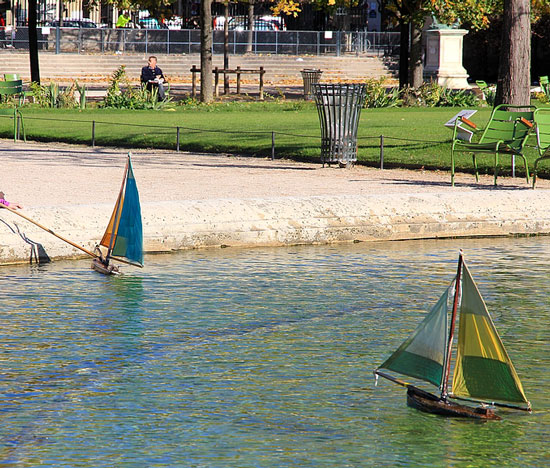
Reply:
x=506, y=133
x=17, y=117
x=542, y=122
x=12, y=88
x=545, y=85
x=11, y=76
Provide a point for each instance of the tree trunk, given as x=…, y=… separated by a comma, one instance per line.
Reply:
x=513, y=84
x=207, y=92
x=33, y=43
x=416, y=66
x=250, y=26
x=226, y=47
x=403, y=54
x=61, y=11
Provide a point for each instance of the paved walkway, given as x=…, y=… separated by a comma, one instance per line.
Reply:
x=196, y=200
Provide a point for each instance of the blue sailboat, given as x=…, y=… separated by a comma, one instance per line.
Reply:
x=123, y=237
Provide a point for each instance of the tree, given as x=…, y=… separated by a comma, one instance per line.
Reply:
x=33, y=43
x=513, y=84
x=207, y=92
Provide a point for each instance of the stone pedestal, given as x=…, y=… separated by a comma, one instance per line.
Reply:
x=444, y=58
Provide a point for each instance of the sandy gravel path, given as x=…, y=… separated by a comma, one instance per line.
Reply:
x=40, y=174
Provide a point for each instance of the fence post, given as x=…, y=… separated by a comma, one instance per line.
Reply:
x=238, y=80
x=338, y=43
x=193, y=81
x=273, y=146
x=177, y=139
x=381, y=151
x=262, y=71
x=216, y=81
x=57, y=38
x=146, y=41
x=93, y=133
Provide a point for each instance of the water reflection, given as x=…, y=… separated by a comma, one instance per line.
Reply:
x=257, y=357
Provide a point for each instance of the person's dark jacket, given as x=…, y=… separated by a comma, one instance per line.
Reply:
x=149, y=74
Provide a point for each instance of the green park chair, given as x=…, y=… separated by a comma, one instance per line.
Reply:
x=545, y=85
x=482, y=85
x=542, y=123
x=12, y=88
x=11, y=76
x=506, y=133
x=16, y=116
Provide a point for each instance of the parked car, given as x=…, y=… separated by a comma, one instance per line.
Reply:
x=241, y=24
x=150, y=23
x=75, y=23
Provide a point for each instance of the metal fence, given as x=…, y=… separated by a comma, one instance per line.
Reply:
x=170, y=41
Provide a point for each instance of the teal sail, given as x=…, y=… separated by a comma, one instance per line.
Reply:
x=422, y=355
x=124, y=234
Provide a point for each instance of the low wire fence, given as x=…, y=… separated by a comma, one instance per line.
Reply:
x=187, y=41
x=178, y=138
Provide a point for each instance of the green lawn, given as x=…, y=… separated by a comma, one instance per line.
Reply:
x=413, y=137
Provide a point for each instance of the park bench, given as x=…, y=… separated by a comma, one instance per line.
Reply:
x=221, y=71
x=506, y=133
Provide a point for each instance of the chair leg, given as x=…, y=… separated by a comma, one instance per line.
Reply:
x=526, y=167
x=496, y=169
x=535, y=173
x=474, y=160
x=452, y=166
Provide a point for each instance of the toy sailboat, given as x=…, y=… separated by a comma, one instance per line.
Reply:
x=123, y=237
x=483, y=372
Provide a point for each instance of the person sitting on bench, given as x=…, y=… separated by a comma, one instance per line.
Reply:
x=152, y=77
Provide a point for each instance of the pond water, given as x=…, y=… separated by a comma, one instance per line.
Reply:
x=259, y=358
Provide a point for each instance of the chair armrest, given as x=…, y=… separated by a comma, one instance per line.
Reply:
x=526, y=122
x=468, y=122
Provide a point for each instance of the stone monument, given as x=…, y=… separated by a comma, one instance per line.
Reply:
x=444, y=56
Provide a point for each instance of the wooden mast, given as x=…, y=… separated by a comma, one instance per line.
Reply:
x=119, y=210
x=447, y=370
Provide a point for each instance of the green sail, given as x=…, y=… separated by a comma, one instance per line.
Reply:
x=129, y=232
x=422, y=355
x=483, y=370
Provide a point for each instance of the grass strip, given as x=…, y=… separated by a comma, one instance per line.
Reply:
x=413, y=137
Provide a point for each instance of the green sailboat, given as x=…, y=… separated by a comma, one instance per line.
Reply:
x=483, y=372
x=123, y=237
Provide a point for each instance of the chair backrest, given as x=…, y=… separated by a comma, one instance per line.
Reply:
x=481, y=84
x=542, y=121
x=11, y=87
x=544, y=84
x=11, y=76
x=505, y=124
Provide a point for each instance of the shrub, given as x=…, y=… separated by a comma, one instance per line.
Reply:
x=378, y=95
x=431, y=94
x=52, y=96
x=121, y=94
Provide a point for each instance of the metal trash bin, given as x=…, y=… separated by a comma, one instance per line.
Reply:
x=339, y=107
x=310, y=77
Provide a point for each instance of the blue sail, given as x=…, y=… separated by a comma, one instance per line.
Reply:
x=129, y=233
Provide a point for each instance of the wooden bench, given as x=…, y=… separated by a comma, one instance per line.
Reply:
x=221, y=71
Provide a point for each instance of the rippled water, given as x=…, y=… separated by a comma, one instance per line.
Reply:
x=258, y=358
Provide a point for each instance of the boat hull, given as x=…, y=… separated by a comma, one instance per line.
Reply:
x=429, y=403
x=100, y=267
